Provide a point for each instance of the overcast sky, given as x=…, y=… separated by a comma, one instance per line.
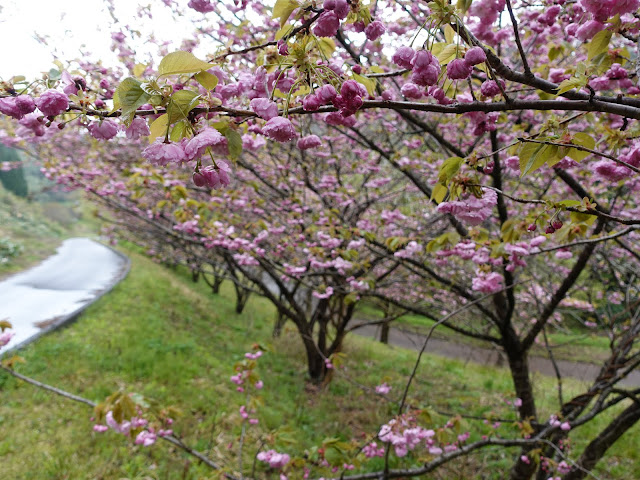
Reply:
x=71, y=27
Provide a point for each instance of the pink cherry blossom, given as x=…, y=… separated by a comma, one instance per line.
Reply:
x=374, y=30
x=52, y=103
x=474, y=56
x=487, y=282
x=310, y=141
x=383, y=389
x=458, y=69
x=104, y=130
x=5, y=337
x=327, y=25
x=202, y=6
x=145, y=438
x=280, y=129
x=160, y=153
x=197, y=146
x=403, y=56
x=264, y=107
x=137, y=129
x=274, y=459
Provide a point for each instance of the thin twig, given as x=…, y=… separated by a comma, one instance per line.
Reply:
x=523, y=56
x=169, y=438
x=583, y=149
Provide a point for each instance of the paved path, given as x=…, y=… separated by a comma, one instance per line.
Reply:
x=586, y=372
x=53, y=293
x=484, y=356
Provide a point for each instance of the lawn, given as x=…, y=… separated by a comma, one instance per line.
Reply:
x=160, y=335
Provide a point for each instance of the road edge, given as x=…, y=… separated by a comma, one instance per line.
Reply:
x=71, y=317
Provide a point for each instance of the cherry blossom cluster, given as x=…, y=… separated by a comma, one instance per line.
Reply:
x=5, y=337
x=274, y=459
x=470, y=209
x=405, y=435
x=245, y=375
x=146, y=434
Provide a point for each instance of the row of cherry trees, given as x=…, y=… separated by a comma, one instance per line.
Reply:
x=474, y=163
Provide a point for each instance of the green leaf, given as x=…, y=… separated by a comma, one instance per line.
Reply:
x=178, y=132
x=571, y=83
x=369, y=83
x=568, y=203
x=439, y=193
x=180, y=104
x=207, y=80
x=116, y=102
x=450, y=168
x=139, y=69
x=131, y=96
x=181, y=62
x=234, y=141
x=599, y=44
x=555, y=52
x=583, y=140
x=327, y=46
x=463, y=5
x=179, y=191
x=159, y=127
x=283, y=31
x=283, y=10
x=534, y=155
x=449, y=53
x=579, y=217
x=508, y=232
x=449, y=238
x=449, y=33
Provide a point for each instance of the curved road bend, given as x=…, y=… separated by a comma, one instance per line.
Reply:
x=54, y=292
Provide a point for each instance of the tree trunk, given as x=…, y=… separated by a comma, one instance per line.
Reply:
x=278, y=325
x=315, y=360
x=195, y=276
x=519, y=366
x=242, y=295
x=599, y=445
x=215, y=286
x=384, y=333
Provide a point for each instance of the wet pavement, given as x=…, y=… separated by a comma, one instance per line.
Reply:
x=43, y=298
x=585, y=372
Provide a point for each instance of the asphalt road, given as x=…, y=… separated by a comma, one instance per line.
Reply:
x=49, y=294
x=585, y=372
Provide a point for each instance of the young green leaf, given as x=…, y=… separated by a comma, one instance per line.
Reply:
x=571, y=83
x=131, y=96
x=207, y=80
x=181, y=103
x=599, y=44
x=450, y=167
x=234, y=142
x=159, y=127
x=283, y=10
x=181, y=62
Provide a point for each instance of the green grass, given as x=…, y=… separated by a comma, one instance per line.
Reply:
x=161, y=335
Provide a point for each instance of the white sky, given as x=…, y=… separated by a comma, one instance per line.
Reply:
x=72, y=28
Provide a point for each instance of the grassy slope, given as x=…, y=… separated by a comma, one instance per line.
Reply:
x=165, y=337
